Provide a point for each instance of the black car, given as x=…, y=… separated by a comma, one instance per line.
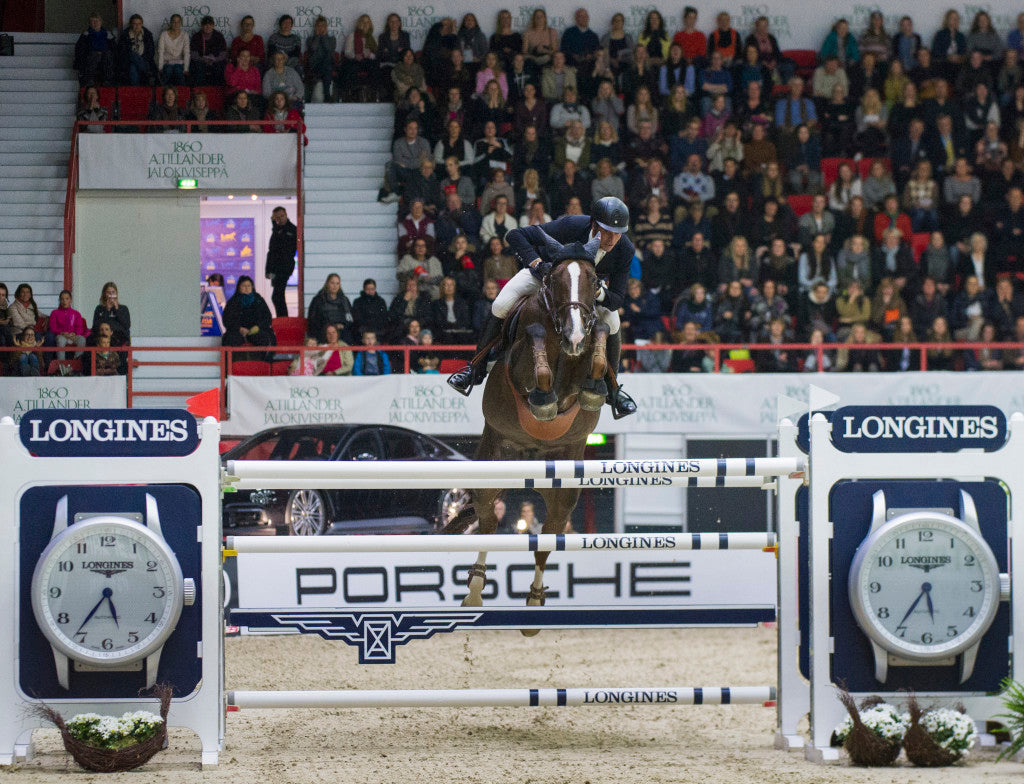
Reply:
x=365, y=511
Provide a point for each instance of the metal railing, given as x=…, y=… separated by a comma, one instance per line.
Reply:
x=135, y=357
x=185, y=126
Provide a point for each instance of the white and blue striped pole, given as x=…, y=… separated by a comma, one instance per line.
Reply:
x=472, y=698
x=512, y=543
x=274, y=474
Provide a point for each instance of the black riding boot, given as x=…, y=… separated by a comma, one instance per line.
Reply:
x=463, y=381
x=622, y=404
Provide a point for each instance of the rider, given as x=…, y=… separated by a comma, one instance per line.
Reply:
x=610, y=219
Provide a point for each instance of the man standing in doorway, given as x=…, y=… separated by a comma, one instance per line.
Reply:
x=281, y=257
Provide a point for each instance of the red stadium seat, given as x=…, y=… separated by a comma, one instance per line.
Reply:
x=830, y=168
x=450, y=365
x=249, y=367
x=74, y=367
x=800, y=203
x=289, y=330
x=805, y=60
x=918, y=242
x=135, y=102
x=739, y=365
x=184, y=94
x=215, y=99
x=280, y=367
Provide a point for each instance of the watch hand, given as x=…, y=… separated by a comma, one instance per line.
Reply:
x=912, y=607
x=113, y=612
x=92, y=612
x=926, y=589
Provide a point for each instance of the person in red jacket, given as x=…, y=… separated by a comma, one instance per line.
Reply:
x=283, y=118
x=891, y=217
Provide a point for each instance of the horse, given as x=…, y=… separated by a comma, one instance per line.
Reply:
x=543, y=396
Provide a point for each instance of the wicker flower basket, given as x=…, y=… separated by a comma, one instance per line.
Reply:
x=114, y=760
x=864, y=746
x=921, y=749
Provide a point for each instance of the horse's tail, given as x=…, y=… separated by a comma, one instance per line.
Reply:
x=461, y=521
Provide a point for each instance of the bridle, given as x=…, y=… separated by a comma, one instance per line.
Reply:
x=558, y=312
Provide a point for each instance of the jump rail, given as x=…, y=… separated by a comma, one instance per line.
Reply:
x=514, y=698
x=512, y=543
x=337, y=483
x=275, y=474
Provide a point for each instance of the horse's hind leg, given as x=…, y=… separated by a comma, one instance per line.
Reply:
x=483, y=502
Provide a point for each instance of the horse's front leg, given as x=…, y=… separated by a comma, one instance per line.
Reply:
x=594, y=390
x=543, y=400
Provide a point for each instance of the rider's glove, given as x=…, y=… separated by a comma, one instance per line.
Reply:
x=602, y=291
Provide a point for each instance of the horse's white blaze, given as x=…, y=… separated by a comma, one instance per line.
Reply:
x=577, y=322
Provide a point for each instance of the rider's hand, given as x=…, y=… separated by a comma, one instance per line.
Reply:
x=602, y=291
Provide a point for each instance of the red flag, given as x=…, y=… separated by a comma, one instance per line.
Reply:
x=205, y=404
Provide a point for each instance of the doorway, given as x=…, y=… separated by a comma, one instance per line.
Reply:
x=233, y=240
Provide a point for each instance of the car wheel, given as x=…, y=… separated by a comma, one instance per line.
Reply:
x=306, y=513
x=452, y=503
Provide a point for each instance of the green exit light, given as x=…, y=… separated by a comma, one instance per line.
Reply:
x=188, y=185
x=597, y=439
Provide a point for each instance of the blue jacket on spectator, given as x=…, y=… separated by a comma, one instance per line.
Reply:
x=360, y=366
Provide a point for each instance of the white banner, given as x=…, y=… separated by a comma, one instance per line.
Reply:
x=432, y=580
x=795, y=24
x=18, y=395
x=694, y=404
x=158, y=160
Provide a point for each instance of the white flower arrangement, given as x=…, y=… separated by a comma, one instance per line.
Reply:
x=114, y=732
x=882, y=719
x=951, y=730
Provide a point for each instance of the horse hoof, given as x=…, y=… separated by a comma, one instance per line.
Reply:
x=544, y=413
x=591, y=401
x=529, y=632
x=473, y=600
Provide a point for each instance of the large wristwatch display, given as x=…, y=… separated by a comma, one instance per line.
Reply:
x=107, y=592
x=924, y=586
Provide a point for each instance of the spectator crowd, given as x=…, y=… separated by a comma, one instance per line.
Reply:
x=870, y=195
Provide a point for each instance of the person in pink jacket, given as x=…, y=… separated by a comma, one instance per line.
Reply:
x=244, y=75
x=67, y=325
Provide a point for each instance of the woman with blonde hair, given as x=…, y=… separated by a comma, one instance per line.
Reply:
x=540, y=40
x=361, y=59
x=530, y=190
x=606, y=144
x=894, y=83
x=872, y=118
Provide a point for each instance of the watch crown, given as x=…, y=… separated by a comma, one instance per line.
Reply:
x=189, y=591
x=1004, y=587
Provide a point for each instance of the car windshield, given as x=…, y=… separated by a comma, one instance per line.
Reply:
x=290, y=446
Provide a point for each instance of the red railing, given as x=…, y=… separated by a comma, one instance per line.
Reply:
x=134, y=356
x=187, y=126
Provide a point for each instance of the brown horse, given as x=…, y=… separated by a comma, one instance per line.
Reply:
x=544, y=396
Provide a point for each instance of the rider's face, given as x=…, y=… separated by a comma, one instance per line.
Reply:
x=608, y=238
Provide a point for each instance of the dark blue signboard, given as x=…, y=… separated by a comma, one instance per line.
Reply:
x=110, y=432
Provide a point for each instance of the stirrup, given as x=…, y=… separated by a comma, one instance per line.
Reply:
x=622, y=404
x=463, y=381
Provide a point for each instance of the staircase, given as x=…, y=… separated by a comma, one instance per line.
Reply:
x=38, y=91
x=346, y=230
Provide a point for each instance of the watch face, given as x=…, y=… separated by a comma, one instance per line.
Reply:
x=107, y=591
x=924, y=585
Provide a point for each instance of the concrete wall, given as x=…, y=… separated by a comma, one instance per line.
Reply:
x=149, y=245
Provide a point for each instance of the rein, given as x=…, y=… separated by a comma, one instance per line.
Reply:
x=556, y=313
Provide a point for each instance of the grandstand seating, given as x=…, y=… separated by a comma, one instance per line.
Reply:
x=35, y=141
x=346, y=230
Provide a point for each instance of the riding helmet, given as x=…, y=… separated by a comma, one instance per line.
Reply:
x=611, y=214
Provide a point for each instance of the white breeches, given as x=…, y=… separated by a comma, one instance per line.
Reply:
x=524, y=283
